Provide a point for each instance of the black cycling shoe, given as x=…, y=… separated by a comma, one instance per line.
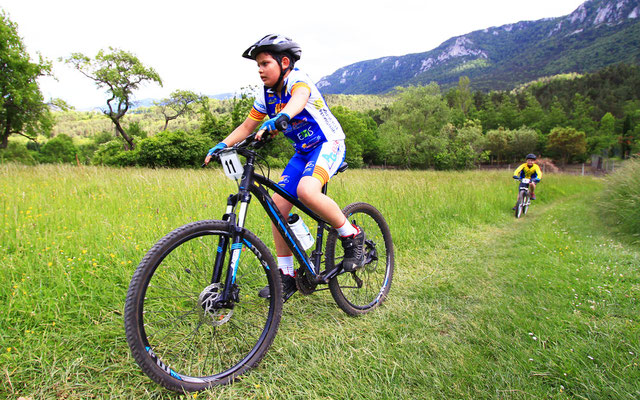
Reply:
x=288, y=288
x=353, y=251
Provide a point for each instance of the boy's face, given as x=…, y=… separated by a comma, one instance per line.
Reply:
x=268, y=69
x=529, y=162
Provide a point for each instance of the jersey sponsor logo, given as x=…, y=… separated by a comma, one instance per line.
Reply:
x=318, y=104
x=305, y=134
x=283, y=180
x=309, y=167
x=311, y=143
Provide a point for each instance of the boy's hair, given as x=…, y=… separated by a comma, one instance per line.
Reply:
x=278, y=57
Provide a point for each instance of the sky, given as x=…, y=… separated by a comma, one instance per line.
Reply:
x=197, y=44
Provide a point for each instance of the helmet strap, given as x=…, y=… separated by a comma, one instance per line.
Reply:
x=282, y=71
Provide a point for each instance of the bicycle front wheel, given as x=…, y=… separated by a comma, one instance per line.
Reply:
x=519, y=204
x=366, y=288
x=178, y=334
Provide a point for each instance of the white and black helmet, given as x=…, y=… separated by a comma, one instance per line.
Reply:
x=274, y=43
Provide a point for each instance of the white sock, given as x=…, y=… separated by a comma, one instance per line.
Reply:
x=347, y=229
x=285, y=264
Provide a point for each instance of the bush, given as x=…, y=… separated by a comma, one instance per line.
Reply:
x=173, y=149
x=17, y=152
x=102, y=137
x=620, y=200
x=86, y=152
x=60, y=149
x=113, y=153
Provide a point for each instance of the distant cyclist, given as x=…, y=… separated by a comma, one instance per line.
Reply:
x=529, y=170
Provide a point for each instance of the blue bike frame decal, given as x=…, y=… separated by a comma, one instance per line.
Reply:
x=236, y=249
x=301, y=254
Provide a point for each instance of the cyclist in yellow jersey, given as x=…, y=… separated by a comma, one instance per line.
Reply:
x=529, y=170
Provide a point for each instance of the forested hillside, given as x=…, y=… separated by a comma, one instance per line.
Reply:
x=597, y=34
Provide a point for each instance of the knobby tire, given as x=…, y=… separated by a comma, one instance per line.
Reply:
x=365, y=289
x=174, y=339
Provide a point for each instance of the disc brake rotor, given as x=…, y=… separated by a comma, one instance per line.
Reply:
x=207, y=301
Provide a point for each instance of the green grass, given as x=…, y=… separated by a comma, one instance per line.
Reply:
x=482, y=305
x=620, y=199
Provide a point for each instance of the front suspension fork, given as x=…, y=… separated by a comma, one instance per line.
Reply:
x=235, y=241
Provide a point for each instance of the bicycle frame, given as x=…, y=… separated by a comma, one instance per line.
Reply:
x=254, y=184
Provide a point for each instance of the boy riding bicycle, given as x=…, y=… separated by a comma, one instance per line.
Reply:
x=292, y=103
x=529, y=170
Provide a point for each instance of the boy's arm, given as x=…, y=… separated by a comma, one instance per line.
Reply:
x=538, y=173
x=299, y=98
x=238, y=134
x=241, y=132
x=516, y=173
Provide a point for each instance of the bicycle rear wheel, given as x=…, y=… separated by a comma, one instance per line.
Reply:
x=366, y=288
x=177, y=335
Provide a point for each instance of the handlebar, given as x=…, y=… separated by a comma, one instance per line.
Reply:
x=256, y=140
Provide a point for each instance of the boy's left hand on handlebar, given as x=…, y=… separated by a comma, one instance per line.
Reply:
x=278, y=123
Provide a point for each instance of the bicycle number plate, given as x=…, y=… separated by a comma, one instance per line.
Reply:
x=526, y=180
x=231, y=165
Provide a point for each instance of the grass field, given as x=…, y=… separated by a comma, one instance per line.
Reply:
x=482, y=305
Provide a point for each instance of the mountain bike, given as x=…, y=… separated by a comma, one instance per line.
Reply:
x=193, y=317
x=524, y=199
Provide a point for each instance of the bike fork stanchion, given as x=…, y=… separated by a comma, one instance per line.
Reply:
x=236, y=227
x=223, y=242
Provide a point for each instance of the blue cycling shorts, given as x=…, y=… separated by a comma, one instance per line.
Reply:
x=321, y=163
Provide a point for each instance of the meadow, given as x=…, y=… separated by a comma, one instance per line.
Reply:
x=482, y=305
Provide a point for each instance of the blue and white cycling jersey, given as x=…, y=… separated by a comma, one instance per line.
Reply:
x=313, y=126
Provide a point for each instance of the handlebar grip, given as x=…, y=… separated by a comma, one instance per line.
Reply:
x=282, y=124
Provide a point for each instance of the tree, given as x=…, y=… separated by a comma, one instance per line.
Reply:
x=533, y=114
x=523, y=141
x=567, y=142
x=217, y=127
x=630, y=129
x=361, y=139
x=460, y=101
x=411, y=134
x=22, y=109
x=508, y=113
x=581, y=117
x=180, y=102
x=241, y=106
x=555, y=117
x=604, y=138
x=121, y=73
x=497, y=142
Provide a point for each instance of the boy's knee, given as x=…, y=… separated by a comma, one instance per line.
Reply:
x=308, y=188
x=303, y=193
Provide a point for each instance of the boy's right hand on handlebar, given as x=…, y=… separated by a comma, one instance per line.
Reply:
x=214, y=151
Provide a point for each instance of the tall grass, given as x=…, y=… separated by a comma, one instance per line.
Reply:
x=471, y=283
x=620, y=199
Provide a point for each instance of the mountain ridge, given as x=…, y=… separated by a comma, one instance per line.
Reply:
x=598, y=33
